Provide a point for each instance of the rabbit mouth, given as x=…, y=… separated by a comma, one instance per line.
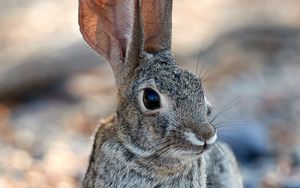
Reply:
x=205, y=144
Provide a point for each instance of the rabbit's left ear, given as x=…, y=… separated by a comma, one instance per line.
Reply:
x=113, y=28
x=157, y=17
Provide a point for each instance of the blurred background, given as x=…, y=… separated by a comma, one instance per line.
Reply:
x=54, y=89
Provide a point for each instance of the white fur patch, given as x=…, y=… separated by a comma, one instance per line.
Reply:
x=207, y=101
x=193, y=139
x=212, y=139
x=196, y=141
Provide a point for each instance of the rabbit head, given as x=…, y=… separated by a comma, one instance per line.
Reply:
x=161, y=110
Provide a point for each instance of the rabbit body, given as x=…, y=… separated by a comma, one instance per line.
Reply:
x=112, y=165
x=160, y=135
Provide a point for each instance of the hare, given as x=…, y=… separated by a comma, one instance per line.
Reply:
x=160, y=135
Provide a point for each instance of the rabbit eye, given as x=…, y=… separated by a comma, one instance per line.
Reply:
x=151, y=99
x=209, y=111
x=209, y=107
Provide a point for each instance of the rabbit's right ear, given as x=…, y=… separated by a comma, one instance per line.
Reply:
x=157, y=17
x=113, y=28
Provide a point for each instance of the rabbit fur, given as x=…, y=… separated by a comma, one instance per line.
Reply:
x=168, y=146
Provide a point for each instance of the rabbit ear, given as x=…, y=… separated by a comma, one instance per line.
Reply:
x=157, y=17
x=113, y=28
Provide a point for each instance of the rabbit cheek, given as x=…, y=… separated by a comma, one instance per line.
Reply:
x=163, y=124
x=154, y=133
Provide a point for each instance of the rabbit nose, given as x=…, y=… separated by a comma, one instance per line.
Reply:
x=206, y=131
x=202, y=135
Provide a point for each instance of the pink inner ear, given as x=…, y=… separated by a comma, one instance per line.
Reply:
x=151, y=14
x=105, y=2
x=123, y=25
x=157, y=24
x=107, y=25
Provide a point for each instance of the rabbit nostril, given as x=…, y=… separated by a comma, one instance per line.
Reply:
x=206, y=131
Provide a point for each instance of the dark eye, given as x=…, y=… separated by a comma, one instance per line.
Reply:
x=151, y=99
x=209, y=110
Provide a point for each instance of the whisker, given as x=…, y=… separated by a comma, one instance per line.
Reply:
x=205, y=60
x=228, y=137
x=198, y=57
x=202, y=78
x=159, y=144
x=230, y=124
x=164, y=149
x=223, y=152
x=218, y=149
x=226, y=108
x=203, y=64
x=228, y=121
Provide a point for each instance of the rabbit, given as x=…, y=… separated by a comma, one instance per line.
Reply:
x=160, y=135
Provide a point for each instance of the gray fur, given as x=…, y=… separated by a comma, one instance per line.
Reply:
x=112, y=164
x=137, y=147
